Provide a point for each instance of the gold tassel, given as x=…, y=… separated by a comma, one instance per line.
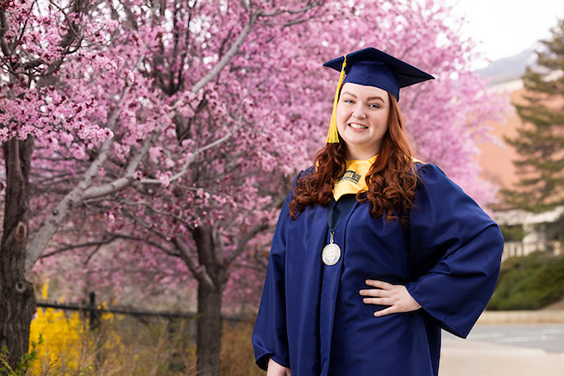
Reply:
x=333, y=134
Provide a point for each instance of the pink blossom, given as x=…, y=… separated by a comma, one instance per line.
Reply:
x=223, y=156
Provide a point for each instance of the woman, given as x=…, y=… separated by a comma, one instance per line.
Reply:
x=374, y=252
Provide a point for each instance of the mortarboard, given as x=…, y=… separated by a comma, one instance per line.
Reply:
x=372, y=67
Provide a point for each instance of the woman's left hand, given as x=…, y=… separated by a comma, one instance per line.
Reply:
x=396, y=297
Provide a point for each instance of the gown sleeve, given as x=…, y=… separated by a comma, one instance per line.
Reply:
x=455, y=253
x=270, y=335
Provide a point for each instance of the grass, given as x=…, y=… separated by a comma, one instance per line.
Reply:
x=126, y=346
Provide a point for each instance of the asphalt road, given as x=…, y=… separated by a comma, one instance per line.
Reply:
x=546, y=337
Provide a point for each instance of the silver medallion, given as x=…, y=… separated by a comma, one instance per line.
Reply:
x=331, y=254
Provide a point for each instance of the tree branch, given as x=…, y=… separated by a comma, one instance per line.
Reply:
x=71, y=247
x=198, y=271
x=63, y=209
x=128, y=176
x=72, y=36
x=166, y=250
x=155, y=211
x=244, y=240
x=3, y=30
x=290, y=11
x=233, y=50
x=189, y=161
x=81, y=192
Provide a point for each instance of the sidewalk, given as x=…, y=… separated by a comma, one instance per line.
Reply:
x=472, y=358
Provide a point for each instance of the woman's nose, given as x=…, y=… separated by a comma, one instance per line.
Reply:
x=359, y=113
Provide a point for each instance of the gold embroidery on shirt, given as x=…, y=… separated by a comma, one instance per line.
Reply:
x=351, y=176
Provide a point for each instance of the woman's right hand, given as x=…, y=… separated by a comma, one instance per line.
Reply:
x=275, y=369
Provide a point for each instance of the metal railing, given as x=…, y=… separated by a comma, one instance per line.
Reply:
x=516, y=249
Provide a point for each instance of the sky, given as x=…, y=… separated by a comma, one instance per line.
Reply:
x=507, y=27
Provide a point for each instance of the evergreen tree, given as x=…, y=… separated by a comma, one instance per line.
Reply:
x=540, y=142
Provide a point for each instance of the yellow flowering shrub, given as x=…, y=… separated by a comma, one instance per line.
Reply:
x=122, y=345
x=63, y=341
x=60, y=339
x=57, y=337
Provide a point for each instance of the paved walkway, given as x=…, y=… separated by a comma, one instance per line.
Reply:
x=474, y=358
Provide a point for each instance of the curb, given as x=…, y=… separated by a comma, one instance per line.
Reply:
x=522, y=317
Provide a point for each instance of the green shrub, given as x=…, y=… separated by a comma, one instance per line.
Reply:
x=529, y=282
x=22, y=366
x=513, y=233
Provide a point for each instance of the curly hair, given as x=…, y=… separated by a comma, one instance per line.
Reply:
x=391, y=180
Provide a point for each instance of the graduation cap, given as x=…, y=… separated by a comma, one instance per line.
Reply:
x=372, y=67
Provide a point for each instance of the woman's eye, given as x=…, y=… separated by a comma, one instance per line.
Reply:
x=374, y=106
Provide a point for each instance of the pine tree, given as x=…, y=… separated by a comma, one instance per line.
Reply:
x=540, y=142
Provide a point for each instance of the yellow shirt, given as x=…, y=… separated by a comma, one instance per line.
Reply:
x=353, y=180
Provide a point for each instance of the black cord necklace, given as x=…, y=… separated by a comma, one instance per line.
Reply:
x=331, y=253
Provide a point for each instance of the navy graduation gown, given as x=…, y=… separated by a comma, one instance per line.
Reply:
x=312, y=318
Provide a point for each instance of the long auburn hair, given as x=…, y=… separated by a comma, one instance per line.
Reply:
x=391, y=180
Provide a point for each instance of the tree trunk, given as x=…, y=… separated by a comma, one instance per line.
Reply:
x=208, y=340
x=17, y=299
x=211, y=283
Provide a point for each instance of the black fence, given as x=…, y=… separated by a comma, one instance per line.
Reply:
x=140, y=322
x=94, y=311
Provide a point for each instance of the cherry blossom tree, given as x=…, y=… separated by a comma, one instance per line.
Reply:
x=213, y=207
x=83, y=92
x=175, y=127
x=203, y=192
x=35, y=41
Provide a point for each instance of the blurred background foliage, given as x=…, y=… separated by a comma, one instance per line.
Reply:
x=66, y=344
x=126, y=346
x=529, y=282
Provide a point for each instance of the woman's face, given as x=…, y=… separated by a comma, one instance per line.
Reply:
x=362, y=119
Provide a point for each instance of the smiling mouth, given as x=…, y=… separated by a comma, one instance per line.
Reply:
x=357, y=126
